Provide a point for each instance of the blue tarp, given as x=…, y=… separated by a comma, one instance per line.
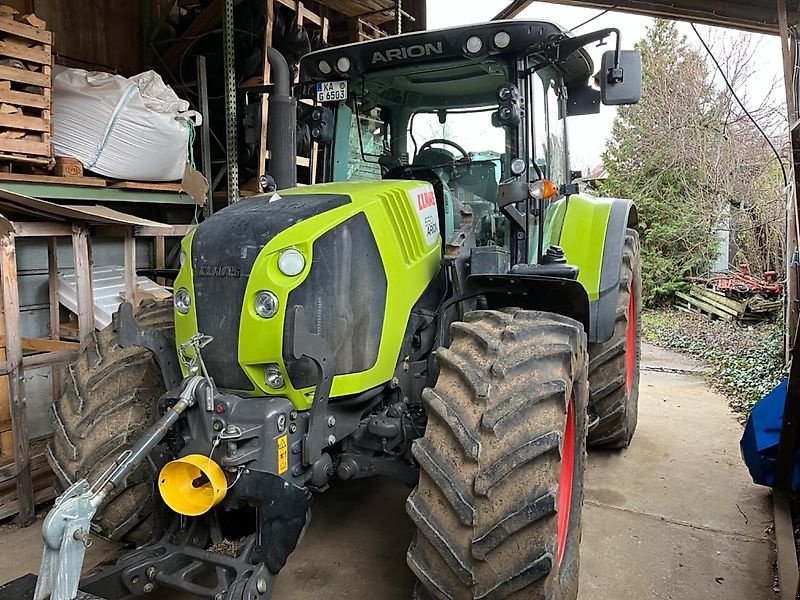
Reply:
x=761, y=438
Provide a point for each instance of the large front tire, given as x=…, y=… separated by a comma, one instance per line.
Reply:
x=498, y=505
x=614, y=365
x=109, y=400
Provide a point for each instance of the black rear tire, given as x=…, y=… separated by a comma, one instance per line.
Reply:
x=614, y=365
x=486, y=507
x=109, y=400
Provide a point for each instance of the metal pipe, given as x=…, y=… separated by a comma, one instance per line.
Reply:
x=152, y=436
x=281, y=133
x=205, y=131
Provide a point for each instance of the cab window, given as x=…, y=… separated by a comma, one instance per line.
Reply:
x=549, y=132
x=369, y=140
x=557, y=135
x=540, y=144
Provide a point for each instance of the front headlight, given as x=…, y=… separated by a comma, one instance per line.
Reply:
x=266, y=304
x=182, y=301
x=291, y=262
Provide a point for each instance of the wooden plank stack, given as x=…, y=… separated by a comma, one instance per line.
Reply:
x=706, y=301
x=26, y=60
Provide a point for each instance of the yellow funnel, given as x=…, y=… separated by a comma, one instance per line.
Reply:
x=192, y=484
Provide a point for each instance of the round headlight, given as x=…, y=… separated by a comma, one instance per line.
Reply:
x=182, y=301
x=474, y=44
x=324, y=67
x=517, y=166
x=266, y=304
x=291, y=262
x=343, y=64
x=501, y=39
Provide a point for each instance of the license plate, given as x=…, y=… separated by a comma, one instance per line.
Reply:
x=332, y=91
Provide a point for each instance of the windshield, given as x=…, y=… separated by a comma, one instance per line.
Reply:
x=472, y=130
x=437, y=123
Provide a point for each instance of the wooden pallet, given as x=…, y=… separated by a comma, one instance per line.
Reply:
x=706, y=301
x=43, y=478
x=26, y=59
x=69, y=171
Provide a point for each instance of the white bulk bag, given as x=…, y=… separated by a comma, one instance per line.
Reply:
x=125, y=128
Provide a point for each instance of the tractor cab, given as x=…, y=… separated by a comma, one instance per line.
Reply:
x=471, y=110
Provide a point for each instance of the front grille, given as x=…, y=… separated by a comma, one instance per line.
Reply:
x=406, y=225
x=344, y=298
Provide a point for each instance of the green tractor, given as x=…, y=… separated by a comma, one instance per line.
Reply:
x=446, y=309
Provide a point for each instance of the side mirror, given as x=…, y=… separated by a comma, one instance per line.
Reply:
x=621, y=83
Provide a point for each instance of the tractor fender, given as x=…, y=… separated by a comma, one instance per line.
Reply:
x=591, y=231
x=557, y=295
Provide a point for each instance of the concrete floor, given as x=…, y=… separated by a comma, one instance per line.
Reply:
x=674, y=517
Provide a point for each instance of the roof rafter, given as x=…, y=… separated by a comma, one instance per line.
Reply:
x=760, y=16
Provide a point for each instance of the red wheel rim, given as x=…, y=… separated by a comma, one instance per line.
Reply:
x=565, y=485
x=630, y=349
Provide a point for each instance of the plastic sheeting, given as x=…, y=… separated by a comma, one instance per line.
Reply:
x=133, y=128
x=762, y=436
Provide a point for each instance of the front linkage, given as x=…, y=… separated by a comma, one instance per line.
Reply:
x=238, y=429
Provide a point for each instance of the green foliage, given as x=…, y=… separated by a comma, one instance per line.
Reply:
x=661, y=156
x=745, y=362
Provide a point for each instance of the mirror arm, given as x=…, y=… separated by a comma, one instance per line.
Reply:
x=615, y=74
x=561, y=49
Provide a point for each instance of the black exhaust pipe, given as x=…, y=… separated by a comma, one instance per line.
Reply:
x=282, y=127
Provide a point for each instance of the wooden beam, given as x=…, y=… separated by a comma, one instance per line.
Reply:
x=788, y=574
x=83, y=280
x=740, y=14
x=45, y=359
x=41, y=229
x=56, y=373
x=44, y=344
x=161, y=254
x=171, y=231
x=49, y=358
x=512, y=10
x=129, y=267
x=16, y=382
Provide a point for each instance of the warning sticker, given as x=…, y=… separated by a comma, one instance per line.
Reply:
x=424, y=202
x=283, y=454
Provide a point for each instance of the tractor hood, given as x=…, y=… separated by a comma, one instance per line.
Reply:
x=349, y=254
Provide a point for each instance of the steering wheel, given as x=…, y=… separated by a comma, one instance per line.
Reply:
x=445, y=142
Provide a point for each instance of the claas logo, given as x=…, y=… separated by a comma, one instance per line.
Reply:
x=425, y=200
